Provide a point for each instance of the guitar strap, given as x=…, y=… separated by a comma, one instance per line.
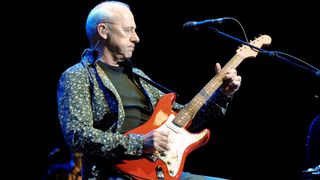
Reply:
x=128, y=66
x=159, y=86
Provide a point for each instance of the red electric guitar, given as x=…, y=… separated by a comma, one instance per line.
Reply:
x=169, y=165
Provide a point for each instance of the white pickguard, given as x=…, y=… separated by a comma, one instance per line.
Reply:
x=179, y=139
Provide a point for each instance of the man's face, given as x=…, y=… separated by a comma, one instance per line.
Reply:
x=122, y=36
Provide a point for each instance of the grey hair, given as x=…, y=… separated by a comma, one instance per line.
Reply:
x=99, y=14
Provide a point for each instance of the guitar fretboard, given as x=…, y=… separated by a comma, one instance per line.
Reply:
x=189, y=111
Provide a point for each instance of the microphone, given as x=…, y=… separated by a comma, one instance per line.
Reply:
x=203, y=24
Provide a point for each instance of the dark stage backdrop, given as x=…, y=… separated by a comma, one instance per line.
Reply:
x=265, y=128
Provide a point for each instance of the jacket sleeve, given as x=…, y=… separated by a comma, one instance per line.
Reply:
x=76, y=119
x=213, y=110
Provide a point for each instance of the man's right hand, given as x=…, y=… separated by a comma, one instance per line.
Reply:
x=156, y=140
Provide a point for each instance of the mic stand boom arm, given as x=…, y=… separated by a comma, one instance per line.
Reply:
x=315, y=71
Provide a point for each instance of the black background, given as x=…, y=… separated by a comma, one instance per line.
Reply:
x=264, y=132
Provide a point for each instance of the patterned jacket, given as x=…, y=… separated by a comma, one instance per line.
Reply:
x=91, y=115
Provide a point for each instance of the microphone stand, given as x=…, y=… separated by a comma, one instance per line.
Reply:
x=315, y=71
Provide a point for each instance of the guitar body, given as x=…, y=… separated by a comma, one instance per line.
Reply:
x=168, y=165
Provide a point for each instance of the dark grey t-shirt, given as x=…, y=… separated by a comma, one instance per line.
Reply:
x=134, y=101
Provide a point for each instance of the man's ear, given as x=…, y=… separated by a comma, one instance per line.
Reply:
x=103, y=30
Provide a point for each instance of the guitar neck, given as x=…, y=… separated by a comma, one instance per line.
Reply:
x=188, y=112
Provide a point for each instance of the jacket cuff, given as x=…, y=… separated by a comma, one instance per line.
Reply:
x=221, y=100
x=134, y=144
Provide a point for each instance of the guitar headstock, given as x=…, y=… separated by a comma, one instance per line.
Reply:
x=246, y=51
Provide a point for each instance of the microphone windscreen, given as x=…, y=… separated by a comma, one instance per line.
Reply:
x=189, y=25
